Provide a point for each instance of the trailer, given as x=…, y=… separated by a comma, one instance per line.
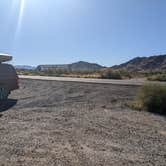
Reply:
x=5, y=58
x=8, y=77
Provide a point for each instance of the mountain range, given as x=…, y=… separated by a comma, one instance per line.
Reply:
x=26, y=67
x=154, y=63
x=78, y=66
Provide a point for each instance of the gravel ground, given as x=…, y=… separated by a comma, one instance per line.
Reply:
x=72, y=124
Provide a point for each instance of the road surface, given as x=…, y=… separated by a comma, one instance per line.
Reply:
x=89, y=80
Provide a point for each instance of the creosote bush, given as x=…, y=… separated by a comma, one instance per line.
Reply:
x=152, y=98
x=157, y=77
x=111, y=74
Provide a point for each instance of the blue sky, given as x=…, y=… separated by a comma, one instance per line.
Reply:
x=107, y=32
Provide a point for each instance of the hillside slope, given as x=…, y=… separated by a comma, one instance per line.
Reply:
x=144, y=64
x=26, y=67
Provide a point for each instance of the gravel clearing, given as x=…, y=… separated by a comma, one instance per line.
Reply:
x=58, y=123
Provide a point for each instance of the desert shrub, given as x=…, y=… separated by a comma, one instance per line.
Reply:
x=27, y=72
x=151, y=97
x=126, y=74
x=157, y=77
x=111, y=74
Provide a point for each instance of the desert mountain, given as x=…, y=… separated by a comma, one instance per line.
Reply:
x=144, y=64
x=78, y=66
x=24, y=67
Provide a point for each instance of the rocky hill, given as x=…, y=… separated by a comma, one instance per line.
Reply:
x=24, y=67
x=78, y=66
x=144, y=64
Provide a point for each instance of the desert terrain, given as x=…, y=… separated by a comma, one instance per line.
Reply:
x=58, y=123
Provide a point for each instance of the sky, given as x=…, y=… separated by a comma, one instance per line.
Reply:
x=107, y=32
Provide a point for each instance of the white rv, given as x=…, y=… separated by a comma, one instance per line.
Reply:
x=8, y=77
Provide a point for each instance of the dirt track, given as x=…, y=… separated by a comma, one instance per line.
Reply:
x=72, y=124
x=135, y=81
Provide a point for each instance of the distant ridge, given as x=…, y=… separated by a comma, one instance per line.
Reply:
x=144, y=64
x=26, y=67
x=78, y=66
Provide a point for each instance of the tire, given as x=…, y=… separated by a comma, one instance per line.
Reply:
x=3, y=93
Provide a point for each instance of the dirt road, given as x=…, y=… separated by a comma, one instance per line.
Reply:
x=88, y=80
x=78, y=124
x=134, y=81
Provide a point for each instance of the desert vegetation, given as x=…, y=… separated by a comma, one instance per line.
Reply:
x=60, y=73
x=158, y=77
x=111, y=74
x=107, y=73
x=152, y=98
x=103, y=74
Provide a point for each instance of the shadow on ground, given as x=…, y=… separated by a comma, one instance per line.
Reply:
x=5, y=105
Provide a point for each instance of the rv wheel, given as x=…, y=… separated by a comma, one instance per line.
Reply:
x=3, y=93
